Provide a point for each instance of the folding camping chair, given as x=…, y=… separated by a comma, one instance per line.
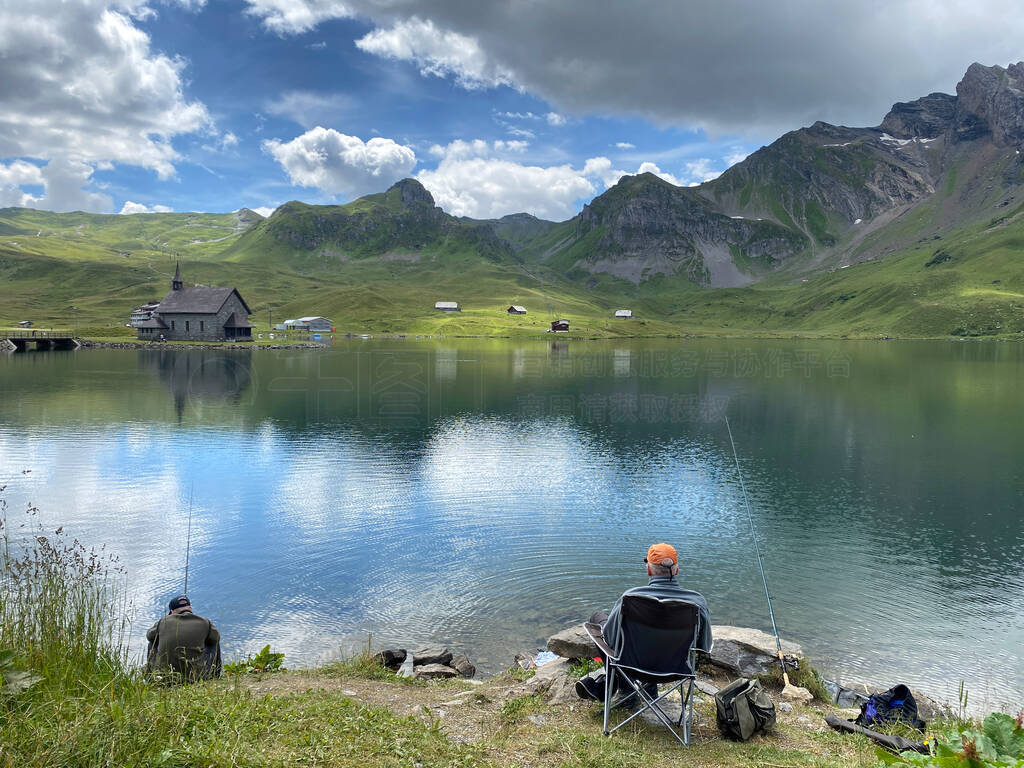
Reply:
x=659, y=639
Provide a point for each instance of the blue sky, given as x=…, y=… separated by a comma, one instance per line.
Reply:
x=127, y=106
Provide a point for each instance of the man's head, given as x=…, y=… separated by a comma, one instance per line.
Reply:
x=180, y=604
x=662, y=560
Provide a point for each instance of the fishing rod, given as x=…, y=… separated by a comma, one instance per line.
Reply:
x=188, y=539
x=760, y=559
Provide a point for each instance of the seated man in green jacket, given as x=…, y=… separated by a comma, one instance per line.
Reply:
x=183, y=647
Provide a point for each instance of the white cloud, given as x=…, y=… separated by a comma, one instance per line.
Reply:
x=472, y=181
x=438, y=52
x=308, y=108
x=63, y=181
x=734, y=157
x=290, y=17
x=625, y=145
x=222, y=143
x=554, y=119
x=338, y=164
x=601, y=168
x=264, y=210
x=18, y=173
x=80, y=81
x=512, y=146
x=698, y=171
x=129, y=208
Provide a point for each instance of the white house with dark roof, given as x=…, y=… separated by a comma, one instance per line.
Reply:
x=198, y=313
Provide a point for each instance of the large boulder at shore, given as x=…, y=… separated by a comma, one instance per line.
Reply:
x=551, y=680
x=748, y=652
x=462, y=665
x=433, y=671
x=431, y=654
x=573, y=643
x=391, y=658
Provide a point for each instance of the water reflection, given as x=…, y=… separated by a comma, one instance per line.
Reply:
x=196, y=376
x=423, y=493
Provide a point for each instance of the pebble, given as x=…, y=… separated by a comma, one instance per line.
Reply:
x=784, y=706
x=347, y=692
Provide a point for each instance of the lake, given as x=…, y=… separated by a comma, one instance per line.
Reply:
x=485, y=494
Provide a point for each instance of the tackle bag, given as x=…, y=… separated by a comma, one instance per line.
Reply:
x=744, y=708
x=894, y=706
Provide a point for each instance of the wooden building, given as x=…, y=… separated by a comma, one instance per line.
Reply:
x=198, y=313
x=311, y=323
x=515, y=309
x=447, y=306
x=624, y=314
x=560, y=326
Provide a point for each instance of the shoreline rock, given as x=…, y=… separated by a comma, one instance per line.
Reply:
x=87, y=344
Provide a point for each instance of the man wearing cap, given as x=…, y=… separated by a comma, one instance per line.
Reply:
x=662, y=568
x=183, y=647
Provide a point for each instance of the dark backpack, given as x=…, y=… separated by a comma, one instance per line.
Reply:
x=895, y=705
x=744, y=708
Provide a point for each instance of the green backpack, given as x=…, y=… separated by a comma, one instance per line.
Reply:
x=744, y=708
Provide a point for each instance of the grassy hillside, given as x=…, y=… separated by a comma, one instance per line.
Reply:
x=67, y=269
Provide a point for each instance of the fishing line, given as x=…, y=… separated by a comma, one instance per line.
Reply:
x=188, y=539
x=757, y=549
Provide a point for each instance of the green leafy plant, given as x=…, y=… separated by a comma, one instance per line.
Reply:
x=998, y=742
x=581, y=667
x=14, y=679
x=264, y=661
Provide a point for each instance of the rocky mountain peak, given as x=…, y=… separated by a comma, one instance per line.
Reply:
x=991, y=100
x=925, y=118
x=411, y=191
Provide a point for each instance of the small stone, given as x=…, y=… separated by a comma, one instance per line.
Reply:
x=462, y=665
x=391, y=658
x=348, y=692
x=432, y=654
x=796, y=693
x=433, y=671
x=705, y=687
x=784, y=706
x=573, y=643
x=407, y=666
x=536, y=719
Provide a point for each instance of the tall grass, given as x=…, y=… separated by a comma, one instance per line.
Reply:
x=56, y=603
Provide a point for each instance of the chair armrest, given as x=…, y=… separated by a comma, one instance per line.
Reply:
x=596, y=634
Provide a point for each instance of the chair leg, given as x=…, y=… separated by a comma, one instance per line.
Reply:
x=608, y=688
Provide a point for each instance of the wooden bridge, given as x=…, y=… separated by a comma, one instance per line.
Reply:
x=18, y=340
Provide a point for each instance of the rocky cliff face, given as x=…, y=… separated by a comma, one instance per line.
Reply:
x=990, y=100
x=645, y=226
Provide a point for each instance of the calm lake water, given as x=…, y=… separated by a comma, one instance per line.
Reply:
x=486, y=494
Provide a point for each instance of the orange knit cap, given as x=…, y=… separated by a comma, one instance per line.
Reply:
x=658, y=554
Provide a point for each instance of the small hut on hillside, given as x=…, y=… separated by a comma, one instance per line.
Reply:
x=447, y=306
x=515, y=309
x=624, y=314
x=560, y=326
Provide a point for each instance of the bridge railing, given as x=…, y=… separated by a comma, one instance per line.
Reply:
x=34, y=333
